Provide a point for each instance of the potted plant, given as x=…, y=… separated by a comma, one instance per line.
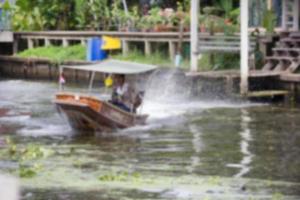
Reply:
x=186, y=22
x=155, y=19
x=144, y=24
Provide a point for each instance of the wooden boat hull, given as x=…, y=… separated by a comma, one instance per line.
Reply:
x=89, y=113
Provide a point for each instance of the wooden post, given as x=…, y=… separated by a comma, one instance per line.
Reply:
x=30, y=43
x=229, y=87
x=15, y=46
x=65, y=42
x=50, y=71
x=125, y=47
x=194, y=34
x=283, y=17
x=47, y=42
x=172, y=47
x=147, y=48
x=296, y=15
x=244, y=46
x=83, y=42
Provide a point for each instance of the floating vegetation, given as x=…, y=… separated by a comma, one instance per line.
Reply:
x=27, y=157
x=277, y=196
x=120, y=176
x=214, y=180
x=29, y=171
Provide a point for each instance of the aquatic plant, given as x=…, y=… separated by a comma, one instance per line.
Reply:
x=27, y=157
x=26, y=171
x=277, y=196
x=120, y=176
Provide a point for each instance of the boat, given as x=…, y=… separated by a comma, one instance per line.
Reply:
x=88, y=113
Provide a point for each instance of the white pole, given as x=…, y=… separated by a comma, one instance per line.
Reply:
x=125, y=6
x=61, y=69
x=244, y=46
x=194, y=34
x=91, y=82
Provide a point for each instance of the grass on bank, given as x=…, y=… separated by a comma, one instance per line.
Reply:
x=55, y=53
x=156, y=58
x=78, y=53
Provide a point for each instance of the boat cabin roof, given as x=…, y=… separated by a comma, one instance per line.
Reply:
x=114, y=67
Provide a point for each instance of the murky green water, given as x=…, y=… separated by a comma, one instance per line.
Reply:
x=188, y=150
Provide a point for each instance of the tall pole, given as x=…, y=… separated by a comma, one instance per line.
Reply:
x=125, y=6
x=269, y=4
x=194, y=34
x=244, y=47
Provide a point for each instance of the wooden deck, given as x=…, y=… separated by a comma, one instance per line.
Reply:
x=267, y=93
x=234, y=74
x=290, y=78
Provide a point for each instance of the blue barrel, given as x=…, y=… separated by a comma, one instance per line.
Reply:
x=94, y=51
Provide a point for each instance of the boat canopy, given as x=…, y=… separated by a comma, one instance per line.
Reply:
x=114, y=67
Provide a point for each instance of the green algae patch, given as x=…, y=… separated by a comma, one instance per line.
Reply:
x=27, y=158
x=56, y=54
x=86, y=168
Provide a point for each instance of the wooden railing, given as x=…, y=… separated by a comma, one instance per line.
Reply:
x=207, y=42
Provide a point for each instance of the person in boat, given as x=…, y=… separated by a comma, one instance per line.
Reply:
x=124, y=95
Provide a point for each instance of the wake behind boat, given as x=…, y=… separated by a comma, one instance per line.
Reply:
x=85, y=112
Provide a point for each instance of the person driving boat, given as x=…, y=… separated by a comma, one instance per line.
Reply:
x=124, y=95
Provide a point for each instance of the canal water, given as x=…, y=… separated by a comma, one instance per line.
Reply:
x=188, y=150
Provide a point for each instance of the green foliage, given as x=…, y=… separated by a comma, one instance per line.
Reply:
x=43, y=15
x=219, y=61
x=123, y=20
x=155, y=17
x=212, y=10
x=269, y=21
x=93, y=15
x=5, y=6
x=5, y=17
x=226, y=6
x=56, y=54
x=234, y=16
x=38, y=15
x=28, y=20
x=137, y=56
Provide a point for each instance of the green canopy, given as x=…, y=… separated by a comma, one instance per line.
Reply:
x=114, y=67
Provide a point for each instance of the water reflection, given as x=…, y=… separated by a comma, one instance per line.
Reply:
x=246, y=138
x=197, y=147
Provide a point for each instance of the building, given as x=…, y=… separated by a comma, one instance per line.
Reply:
x=287, y=12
